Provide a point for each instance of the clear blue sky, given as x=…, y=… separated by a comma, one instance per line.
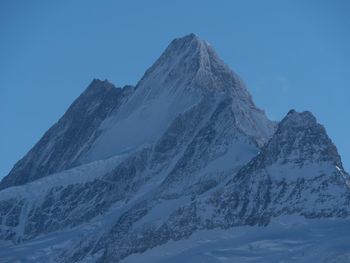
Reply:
x=291, y=54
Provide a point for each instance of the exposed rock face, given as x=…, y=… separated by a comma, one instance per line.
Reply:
x=298, y=172
x=300, y=139
x=128, y=169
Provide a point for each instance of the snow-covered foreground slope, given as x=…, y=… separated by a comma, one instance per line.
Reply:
x=182, y=156
x=289, y=239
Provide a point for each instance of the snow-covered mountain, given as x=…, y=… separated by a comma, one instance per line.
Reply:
x=186, y=150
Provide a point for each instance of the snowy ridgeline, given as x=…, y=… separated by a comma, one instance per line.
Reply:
x=182, y=167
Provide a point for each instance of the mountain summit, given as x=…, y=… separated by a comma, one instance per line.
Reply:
x=193, y=62
x=183, y=153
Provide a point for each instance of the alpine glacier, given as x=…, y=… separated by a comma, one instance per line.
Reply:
x=156, y=170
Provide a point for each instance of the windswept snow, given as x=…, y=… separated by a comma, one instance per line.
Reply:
x=134, y=126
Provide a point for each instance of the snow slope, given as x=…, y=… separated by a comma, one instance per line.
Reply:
x=288, y=239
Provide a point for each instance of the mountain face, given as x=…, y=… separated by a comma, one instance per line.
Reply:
x=62, y=145
x=185, y=151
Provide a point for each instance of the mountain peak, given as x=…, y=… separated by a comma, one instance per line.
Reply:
x=299, y=119
x=187, y=60
x=98, y=85
x=192, y=62
x=188, y=41
x=299, y=139
x=190, y=36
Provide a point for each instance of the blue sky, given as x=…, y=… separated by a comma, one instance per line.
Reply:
x=292, y=54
